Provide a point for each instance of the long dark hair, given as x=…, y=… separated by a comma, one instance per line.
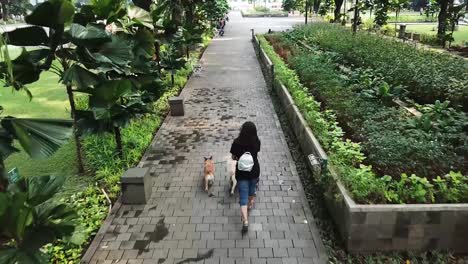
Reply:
x=248, y=135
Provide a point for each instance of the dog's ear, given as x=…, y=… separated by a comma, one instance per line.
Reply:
x=211, y=157
x=205, y=158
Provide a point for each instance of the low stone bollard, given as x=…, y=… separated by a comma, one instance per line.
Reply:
x=401, y=32
x=136, y=186
x=408, y=35
x=177, y=106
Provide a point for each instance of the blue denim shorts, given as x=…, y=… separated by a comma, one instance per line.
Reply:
x=246, y=188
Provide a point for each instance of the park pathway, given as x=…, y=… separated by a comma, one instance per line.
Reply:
x=181, y=223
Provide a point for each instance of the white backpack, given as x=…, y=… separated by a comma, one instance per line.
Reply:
x=245, y=162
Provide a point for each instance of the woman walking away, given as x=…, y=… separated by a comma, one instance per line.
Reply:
x=244, y=149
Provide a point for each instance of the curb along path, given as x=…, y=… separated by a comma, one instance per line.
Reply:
x=180, y=223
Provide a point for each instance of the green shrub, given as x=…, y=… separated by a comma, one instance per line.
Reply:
x=262, y=9
x=430, y=39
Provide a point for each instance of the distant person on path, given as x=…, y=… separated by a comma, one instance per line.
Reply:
x=244, y=150
x=221, y=25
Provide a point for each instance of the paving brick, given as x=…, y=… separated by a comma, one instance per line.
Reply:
x=265, y=252
x=235, y=252
x=130, y=254
x=258, y=261
x=242, y=243
x=250, y=253
x=257, y=243
x=176, y=253
x=213, y=244
x=185, y=244
x=280, y=252
x=295, y=252
x=220, y=252
x=203, y=227
x=201, y=244
x=228, y=243
x=115, y=254
x=243, y=261
x=207, y=235
x=269, y=243
x=221, y=235
x=190, y=253
x=290, y=261
x=212, y=261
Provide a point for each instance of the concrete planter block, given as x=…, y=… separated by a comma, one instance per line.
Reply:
x=177, y=106
x=401, y=31
x=136, y=186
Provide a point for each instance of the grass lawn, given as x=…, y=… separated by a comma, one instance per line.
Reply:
x=50, y=101
x=460, y=36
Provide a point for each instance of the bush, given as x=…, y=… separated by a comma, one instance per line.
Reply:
x=430, y=39
x=261, y=9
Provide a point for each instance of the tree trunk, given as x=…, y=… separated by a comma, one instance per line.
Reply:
x=145, y=4
x=157, y=47
x=4, y=9
x=3, y=176
x=306, y=11
x=79, y=149
x=442, y=26
x=396, y=19
x=337, y=13
x=356, y=16
x=187, y=52
x=316, y=6
x=189, y=15
x=172, y=79
x=118, y=142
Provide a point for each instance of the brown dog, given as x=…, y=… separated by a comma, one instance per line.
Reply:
x=209, y=172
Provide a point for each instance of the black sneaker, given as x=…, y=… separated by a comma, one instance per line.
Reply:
x=245, y=227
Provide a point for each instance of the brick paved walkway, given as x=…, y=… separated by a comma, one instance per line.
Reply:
x=180, y=223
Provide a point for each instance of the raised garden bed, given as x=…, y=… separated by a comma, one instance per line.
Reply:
x=367, y=227
x=418, y=70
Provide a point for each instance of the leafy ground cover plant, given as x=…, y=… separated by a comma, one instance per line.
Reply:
x=344, y=101
x=428, y=76
x=30, y=219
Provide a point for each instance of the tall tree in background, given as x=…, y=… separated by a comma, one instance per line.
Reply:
x=5, y=5
x=443, y=18
x=397, y=6
x=316, y=6
x=381, y=12
x=337, y=11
